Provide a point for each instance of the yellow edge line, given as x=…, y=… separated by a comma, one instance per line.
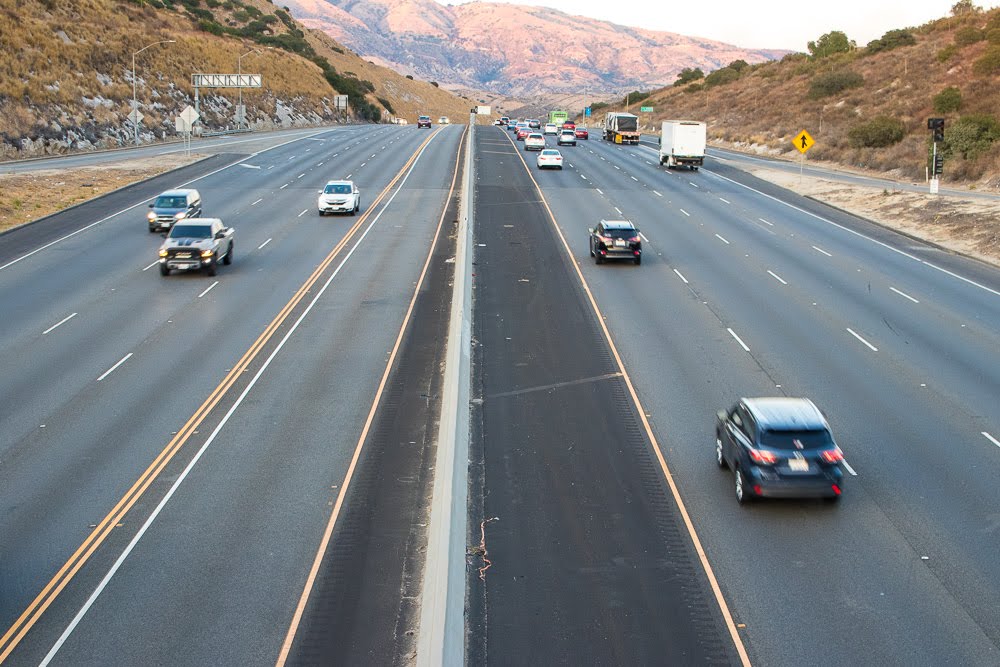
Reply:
x=328, y=532
x=716, y=589
x=13, y=636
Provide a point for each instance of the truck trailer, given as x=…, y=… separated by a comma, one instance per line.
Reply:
x=621, y=128
x=682, y=142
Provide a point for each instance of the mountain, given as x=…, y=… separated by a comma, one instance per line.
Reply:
x=514, y=50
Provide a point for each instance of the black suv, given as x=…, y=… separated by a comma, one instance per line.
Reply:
x=778, y=447
x=615, y=239
x=424, y=121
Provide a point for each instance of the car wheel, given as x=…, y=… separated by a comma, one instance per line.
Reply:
x=228, y=259
x=742, y=493
x=831, y=499
x=597, y=257
x=212, y=269
x=719, y=457
x=152, y=229
x=638, y=260
x=164, y=270
x=321, y=214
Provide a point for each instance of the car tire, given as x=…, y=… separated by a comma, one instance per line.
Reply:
x=597, y=258
x=152, y=229
x=831, y=500
x=739, y=487
x=212, y=269
x=164, y=270
x=720, y=458
x=228, y=259
x=638, y=260
x=321, y=214
x=590, y=247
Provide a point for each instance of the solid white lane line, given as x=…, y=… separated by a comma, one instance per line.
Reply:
x=766, y=222
x=738, y=340
x=151, y=265
x=685, y=213
x=722, y=239
x=302, y=213
x=903, y=294
x=284, y=186
x=681, y=276
x=776, y=277
x=725, y=200
x=59, y=323
x=657, y=193
x=991, y=438
x=817, y=249
x=208, y=289
x=849, y=468
x=113, y=368
x=855, y=334
x=257, y=202
x=643, y=237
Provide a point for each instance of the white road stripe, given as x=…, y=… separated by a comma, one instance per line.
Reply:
x=817, y=249
x=319, y=164
x=599, y=191
x=619, y=210
x=903, y=294
x=362, y=164
x=849, y=468
x=767, y=223
x=151, y=265
x=776, y=277
x=657, y=193
x=738, y=340
x=681, y=276
x=991, y=438
x=263, y=244
x=634, y=179
x=300, y=176
x=643, y=237
x=283, y=186
x=855, y=334
x=722, y=239
x=694, y=184
x=115, y=367
x=618, y=168
x=208, y=289
x=725, y=200
x=685, y=212
x=583, y=177
x=59, y=323
x=257, y=202
x=302, y=213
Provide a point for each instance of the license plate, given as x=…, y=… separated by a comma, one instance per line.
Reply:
x=182, y=265
x=799, y=465
x=619, y=243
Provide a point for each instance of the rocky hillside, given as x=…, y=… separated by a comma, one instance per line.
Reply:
x=513, y=49
x=70, y=85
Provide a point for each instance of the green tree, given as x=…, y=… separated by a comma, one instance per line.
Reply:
x=721, y=77
x=891, y=40
x=832, y=42
x=738, y=65
x=688, y=74
x=965, y=8
x=948, y=100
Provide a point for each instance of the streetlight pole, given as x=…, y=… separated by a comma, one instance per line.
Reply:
x=239, y=75
x=135, y=102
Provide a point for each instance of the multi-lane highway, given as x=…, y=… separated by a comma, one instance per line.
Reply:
x=240, y=469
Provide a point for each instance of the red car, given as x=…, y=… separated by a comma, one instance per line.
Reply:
x=581, y=133
x=569, y=125
x=523, y=132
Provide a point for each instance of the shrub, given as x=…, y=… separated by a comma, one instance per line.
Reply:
x=831, y=83
x=694, y=88
x=891, y=40
x=948, y=100
x=688, y=74
x=721, y=77
x=968, y=35
x=993, y=36
x=879, y=132
x=832, y=42
x=387, y=104
x=738, y=65
x=989, y=62
x=435, y=84
x=971, y=136
x=410, y=77
x=947, y=53
x=210, y=27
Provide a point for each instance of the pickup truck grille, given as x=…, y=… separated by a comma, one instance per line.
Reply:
x=188, y=254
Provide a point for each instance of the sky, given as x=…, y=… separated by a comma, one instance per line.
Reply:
x=776, y=24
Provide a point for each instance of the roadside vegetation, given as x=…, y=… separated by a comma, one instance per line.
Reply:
x=866, y=106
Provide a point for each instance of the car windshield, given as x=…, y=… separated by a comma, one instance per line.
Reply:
x=811, y=439
x=191, y=232
x=170, y=202
x=619, y=233
x=339, y=189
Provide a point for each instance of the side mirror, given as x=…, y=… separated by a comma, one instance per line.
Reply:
x=590, y=229
x=221, y=234
x=721, y=414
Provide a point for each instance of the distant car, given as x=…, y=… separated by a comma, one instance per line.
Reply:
x=197, y=244
x=566, y=138
x=615, y=239
x=504, y=120
x=778, y=447
x=522, y=132
x=171, y=206
x=569, y=125
x=551, y=128
x=424, y=121
x=534, y=142
x=443, y=120
x=339, y=197
x=534, y=124
x=581, y=133
x=549, y=158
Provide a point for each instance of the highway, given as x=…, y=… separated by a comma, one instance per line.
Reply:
x=239, y=469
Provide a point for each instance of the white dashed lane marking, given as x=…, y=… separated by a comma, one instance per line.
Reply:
x=62, y=322
x=738, y=340
x=904, y=295
x=722, y=239
x=822, y=251
x=856, y=335
x=681, y=276
x=776, y=277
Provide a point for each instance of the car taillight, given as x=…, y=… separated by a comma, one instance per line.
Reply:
x=635, y=239
x=762, y=456
x=832, y=455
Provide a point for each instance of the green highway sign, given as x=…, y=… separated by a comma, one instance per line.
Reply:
x=646, y=109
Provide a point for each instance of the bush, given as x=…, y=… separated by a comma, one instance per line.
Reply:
x=387, y=104
x=948, y=100
x=989, y=62
x=993, y=36
x=694, y=88
x=879, y=132
x=831, y=83
x=832, y=42
x=947, y=53
x=721, y=77
x=891, y=40
x=688, y=74
x=968, y=35
x=435, y=84
x=210, y=27
x=971, y=136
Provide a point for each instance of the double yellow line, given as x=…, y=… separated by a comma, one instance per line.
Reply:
x=13, y=636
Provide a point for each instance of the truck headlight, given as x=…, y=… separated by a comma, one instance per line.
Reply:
x=163, y=252
x=180, y=216
x=151, y=216
x=205, y=254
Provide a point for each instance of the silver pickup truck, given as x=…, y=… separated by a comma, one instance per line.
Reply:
x=197, y=243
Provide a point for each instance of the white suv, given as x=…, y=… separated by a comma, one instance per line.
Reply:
x=551, y=128
x=339, y=197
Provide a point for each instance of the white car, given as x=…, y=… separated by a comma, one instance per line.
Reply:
x=549, y=158
x=567, y=137
x=534, y=142
x=551, y=128
x=339, y=197
x=443, y=120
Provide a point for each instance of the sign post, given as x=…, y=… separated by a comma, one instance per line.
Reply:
x=803, y=141
x=184, y=123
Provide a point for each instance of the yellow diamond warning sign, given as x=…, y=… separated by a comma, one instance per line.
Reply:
x=803, y=141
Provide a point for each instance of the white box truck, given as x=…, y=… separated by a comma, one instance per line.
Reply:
x=682, y=142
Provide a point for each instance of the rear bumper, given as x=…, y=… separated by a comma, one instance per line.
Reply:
x=826, y=485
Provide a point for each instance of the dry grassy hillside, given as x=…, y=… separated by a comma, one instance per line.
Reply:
x=867, y=106
x=70, y=85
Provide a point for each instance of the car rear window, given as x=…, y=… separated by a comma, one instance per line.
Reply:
x=191, y=232
x=619, y=233
x=811, y=439
x=550, y=151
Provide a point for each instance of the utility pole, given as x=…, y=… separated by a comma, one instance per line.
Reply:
x=135, y=101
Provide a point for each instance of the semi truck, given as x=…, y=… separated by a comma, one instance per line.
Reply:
x=621, y=128
x=682, y=143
